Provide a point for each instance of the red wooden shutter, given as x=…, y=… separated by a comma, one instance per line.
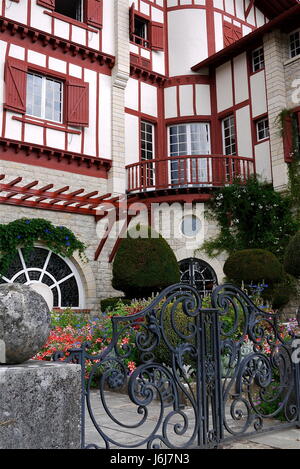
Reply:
x=47, y=4
x=157, y=36
x=228, y=34
x=237, y=33
x=232, y=33
x=131, y=19
x=15, y=85
x=77, y=103
x=94, y=9
x=288, y=146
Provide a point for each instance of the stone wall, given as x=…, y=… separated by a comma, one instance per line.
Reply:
x=40, y=405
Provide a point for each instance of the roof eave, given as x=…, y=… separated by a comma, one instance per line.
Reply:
x=241, y=45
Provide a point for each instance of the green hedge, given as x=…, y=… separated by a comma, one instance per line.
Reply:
x=292, y=256
x=144, y=266
x=253, y=265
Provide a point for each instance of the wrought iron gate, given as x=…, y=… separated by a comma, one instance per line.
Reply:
x=205, y=375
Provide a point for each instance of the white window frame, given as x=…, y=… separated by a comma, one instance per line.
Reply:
x=56, y=283
x=266, y=129
x=297, y=31
x=202, y=164
x=43, y=98
x=261, y=60
x=143, y=121
x=231, y=135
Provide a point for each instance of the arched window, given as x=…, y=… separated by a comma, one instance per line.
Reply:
x=59, y=277
x=199, y=274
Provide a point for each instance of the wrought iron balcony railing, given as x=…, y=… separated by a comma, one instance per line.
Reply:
x=188, y=172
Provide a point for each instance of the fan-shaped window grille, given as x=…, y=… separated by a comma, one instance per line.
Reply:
x=46, y=267
x=199, y=274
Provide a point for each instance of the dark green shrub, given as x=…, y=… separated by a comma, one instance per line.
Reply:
x=184, y=324
x=111, y=303
x=292, y=256
x=144, y=266
x=281, y=293
x=253, y=265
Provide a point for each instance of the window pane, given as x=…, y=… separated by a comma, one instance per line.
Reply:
x=34, y=95
x=53, y=100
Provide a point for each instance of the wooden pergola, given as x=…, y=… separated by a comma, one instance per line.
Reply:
x=13, y=192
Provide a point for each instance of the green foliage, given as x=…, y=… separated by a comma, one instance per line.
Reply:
x=109, y=304
x=253, y=265
x=25, y=233
x=68, y=317
x=251, y=215
x=294, y=167
x=144, y=266
x=183, y=324
x=292, y=256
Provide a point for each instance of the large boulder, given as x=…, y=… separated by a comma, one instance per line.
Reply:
x=24, y=323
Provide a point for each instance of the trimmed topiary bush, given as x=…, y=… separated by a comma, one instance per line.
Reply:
x=253, y=265
x=292, y=256
x=144, y=266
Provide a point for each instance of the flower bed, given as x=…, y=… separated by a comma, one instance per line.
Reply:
x=71, y=329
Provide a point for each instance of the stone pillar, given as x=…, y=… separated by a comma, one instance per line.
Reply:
x=276, y=97
x=40, y=405
x=120, y=75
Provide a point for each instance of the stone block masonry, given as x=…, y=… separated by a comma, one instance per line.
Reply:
x=40, y=405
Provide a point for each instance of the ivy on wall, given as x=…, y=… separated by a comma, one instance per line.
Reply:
x=25, y=233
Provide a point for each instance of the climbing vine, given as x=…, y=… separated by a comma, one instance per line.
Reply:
x=25, y=233
x=251, y=215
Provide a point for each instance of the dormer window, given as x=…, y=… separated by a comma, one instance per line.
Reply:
x=71, y=8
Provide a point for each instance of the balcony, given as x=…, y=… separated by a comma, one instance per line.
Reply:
x=182, y=172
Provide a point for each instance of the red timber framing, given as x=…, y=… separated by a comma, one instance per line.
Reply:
x=32, y=154
x=13, y=31
x=59, y=200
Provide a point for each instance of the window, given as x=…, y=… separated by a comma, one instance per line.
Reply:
x=44, y=97
x=71, y=8
x=189, y=139
x=59, y=277
x=140, y=34
x=147, y=141
x=198, y=273
x=229, y=147
x=88, y=11
x=147, y=153
x=229, y=137
x=190, y=226
x=144, y=32
x=295, y=44
x=59, y=100
x=258, y=59
x=262, y=129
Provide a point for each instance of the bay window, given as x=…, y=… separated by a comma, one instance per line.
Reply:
x=189, y=139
